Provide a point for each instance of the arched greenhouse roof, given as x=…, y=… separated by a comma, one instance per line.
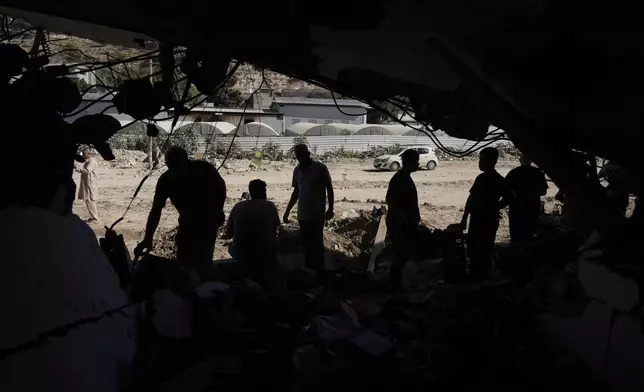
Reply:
x=256, y=128
x=310, y=129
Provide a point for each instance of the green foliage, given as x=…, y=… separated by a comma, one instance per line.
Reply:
x=117, y=74
x=300, y=139
x=227, y=96
x=383, y=117
x=508, y=151
x=340, y=153
x=129, y=142
x=179, y=90
x=132, y=137
x=297, y=140
x=376, y=151
x=217, y=149
x=82, y=85
x=444, y=156
x=185, y=137
x=272, y=152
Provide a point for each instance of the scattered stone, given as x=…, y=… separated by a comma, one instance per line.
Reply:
x=350, y=214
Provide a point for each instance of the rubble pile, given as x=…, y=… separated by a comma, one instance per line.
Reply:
x=346, y=334
x=351, y=332
x=353, y=232
x=164, y=243
x=128, y=159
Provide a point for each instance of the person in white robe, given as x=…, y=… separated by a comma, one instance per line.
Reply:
x=88, y=188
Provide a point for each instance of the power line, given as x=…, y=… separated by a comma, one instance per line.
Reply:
x=345, y=113
x=239, y=124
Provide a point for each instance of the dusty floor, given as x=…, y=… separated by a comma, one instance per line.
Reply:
x=442, y=192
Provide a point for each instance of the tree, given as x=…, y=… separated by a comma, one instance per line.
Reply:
x=376, y=116
x=227, y=96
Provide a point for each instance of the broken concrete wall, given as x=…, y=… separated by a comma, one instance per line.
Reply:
x=66, y=321
x=607, y=337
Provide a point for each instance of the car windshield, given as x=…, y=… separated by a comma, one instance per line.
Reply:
x=399, y=151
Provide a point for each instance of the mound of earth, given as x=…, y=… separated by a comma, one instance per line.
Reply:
x=355, y=234
x=164, y=244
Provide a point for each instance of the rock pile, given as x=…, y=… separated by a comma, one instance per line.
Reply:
x=127, y=159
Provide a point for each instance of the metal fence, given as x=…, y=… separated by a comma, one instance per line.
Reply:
x=322, y=144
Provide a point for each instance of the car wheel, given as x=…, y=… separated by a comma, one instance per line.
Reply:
x=394, y=166
x=431, y=165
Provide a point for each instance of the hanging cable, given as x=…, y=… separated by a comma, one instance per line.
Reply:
x=219, y=90
x=335, y=101
x=238, y=126
x=82, y=109
x=10, y=37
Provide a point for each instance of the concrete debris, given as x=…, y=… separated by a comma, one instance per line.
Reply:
x=338, y=327
x=609, y=287
x=373, y=343
x=352, y=330
x=350, y=214
x=210, y=289
x=127, y=159
x=290, y=261
x=61, y=299
x=173, y=316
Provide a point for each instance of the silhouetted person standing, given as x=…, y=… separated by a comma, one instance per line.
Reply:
x=253, y=227
x=198, y=193
x=88, y=189
x=488, y=195
x=403, y=215
x=528, y=184
x=311, y=187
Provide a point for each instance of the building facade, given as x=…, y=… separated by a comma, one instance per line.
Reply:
x=320, y=110
x=277, y=113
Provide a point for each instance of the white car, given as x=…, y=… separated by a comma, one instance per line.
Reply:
x=393, y=162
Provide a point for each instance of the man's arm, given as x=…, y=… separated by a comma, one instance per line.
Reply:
x=329, y=193
x=230, y=226
x=389, y=198
x=220, y=198
x=331, y=196
x=276, y=219
x=466, y=212
x=91, y=166
x=294, y=196
x=291, y=203
x=160, y=197
x=468, y=204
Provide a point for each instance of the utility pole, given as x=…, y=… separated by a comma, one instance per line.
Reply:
x=150, y=160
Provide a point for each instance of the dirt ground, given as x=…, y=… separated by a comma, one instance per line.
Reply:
x=442, y=192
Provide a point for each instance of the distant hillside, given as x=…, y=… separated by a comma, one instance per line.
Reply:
x=70, y=50
x=248, y=78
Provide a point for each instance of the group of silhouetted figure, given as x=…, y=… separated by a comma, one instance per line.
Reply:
x=521, y=190
x=198, y=193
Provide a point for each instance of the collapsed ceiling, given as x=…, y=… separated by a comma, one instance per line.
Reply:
x=543, y=71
